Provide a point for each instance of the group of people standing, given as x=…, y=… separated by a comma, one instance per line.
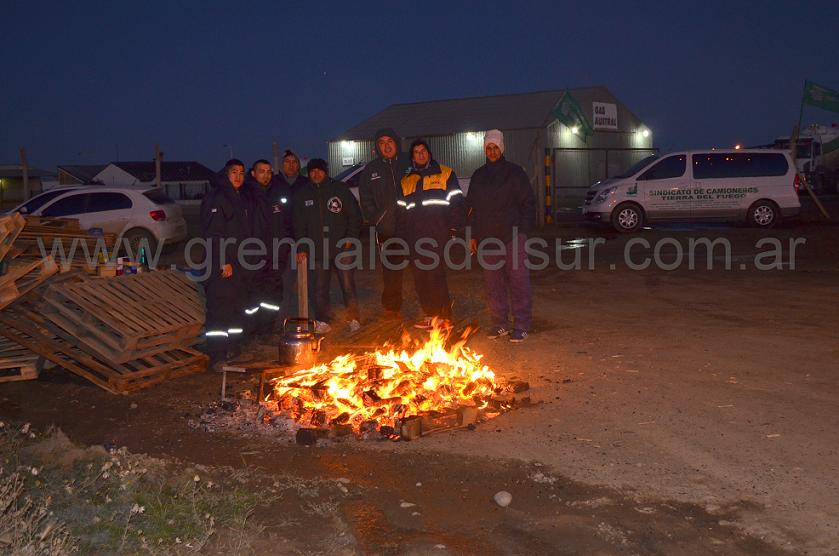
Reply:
x=415, y=205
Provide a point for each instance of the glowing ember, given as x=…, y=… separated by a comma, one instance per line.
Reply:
x=387, y=386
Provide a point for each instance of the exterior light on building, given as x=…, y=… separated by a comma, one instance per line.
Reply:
x=738, y=146
x=575, y=130
x=347, y=144
x=645, y=133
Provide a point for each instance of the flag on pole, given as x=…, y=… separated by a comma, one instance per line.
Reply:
x=569, y=113
x=821, y=97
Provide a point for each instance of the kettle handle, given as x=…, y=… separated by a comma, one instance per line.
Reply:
x=310, y=324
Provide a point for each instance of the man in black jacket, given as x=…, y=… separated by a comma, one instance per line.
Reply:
x=326, y=219
x=290, y=178
x=270, y=203
x=225, y=224
x=379, y=187
x=502, y=211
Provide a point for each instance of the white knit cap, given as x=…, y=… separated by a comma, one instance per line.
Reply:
x=495, y=137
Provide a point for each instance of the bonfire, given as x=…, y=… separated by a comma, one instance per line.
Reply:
x=383, y=388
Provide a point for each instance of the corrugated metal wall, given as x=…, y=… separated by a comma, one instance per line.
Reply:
x=358, y=151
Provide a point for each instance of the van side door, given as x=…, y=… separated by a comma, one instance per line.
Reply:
x=664, y=189
x=725, y=184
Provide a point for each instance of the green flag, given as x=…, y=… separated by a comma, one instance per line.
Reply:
x=822, y=97
x=569, y=113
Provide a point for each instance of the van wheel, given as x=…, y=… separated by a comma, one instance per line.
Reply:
x=627, y=217
x=763, y=214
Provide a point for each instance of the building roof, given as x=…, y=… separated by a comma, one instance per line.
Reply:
x=170, y=171
x=16, y=171
x=442, y=117
x=82, y=172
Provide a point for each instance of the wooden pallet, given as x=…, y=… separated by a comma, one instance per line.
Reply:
x=61, y=235
x=17, y=362
x=23, y=324
x=127, y=317
x=23, y=277
x=10, y=228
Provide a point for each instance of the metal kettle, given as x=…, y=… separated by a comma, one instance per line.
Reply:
x=299, y=345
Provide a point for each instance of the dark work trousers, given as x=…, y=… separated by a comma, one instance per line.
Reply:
x=319, y=284
x=431, y=284
x=224, y=322
x=265, y=298
x=392, y=276
x=508, y=287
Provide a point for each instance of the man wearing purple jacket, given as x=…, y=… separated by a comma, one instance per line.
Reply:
x=502, y=212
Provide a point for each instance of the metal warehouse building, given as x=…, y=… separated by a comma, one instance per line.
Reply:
x=562, y=157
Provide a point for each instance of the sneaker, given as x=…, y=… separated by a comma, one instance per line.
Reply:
x=518, y=336
x=355, y=326
x=423, y=324
x=322, y=327
x=497, y=332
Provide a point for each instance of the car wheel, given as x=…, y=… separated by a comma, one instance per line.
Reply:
x=136, y=238
x=627, y=217
x=763, y=214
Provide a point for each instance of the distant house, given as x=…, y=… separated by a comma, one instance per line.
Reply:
x=181, y=180
x=11, y=182
x=78, y=174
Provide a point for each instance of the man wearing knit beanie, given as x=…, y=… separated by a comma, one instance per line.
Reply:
x=502, y=208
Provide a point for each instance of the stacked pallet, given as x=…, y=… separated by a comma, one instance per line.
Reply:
x=121, y=333
x=78, y=248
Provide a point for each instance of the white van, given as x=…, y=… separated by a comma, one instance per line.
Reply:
x=758, y=186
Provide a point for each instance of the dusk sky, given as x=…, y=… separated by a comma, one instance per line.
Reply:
x=84, y=81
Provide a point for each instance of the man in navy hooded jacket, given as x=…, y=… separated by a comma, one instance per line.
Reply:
x=225, y=223
x=269, y=200
x=379, y=186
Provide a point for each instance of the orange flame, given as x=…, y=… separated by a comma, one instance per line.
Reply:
x=385, y=386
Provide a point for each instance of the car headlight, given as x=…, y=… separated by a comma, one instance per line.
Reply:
x=603, y=195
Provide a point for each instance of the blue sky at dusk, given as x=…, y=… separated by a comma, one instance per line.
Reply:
x=85, y=79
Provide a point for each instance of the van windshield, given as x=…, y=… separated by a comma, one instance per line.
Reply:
x=637, y=167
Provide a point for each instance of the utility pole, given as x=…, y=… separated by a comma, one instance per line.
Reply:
x=275, y=156
x=157, y=156
x=25, y=167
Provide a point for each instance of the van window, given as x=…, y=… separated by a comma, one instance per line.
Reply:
x=708, y=166
x=670, y=167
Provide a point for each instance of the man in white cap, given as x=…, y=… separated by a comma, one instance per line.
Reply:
x=502, y=211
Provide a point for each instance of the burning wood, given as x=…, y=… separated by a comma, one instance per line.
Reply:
x=385, y=389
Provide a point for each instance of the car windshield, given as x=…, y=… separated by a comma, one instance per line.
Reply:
x=637, y=167
x=343, y=175
x=37, y=202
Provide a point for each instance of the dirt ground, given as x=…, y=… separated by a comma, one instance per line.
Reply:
x=683, y=411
